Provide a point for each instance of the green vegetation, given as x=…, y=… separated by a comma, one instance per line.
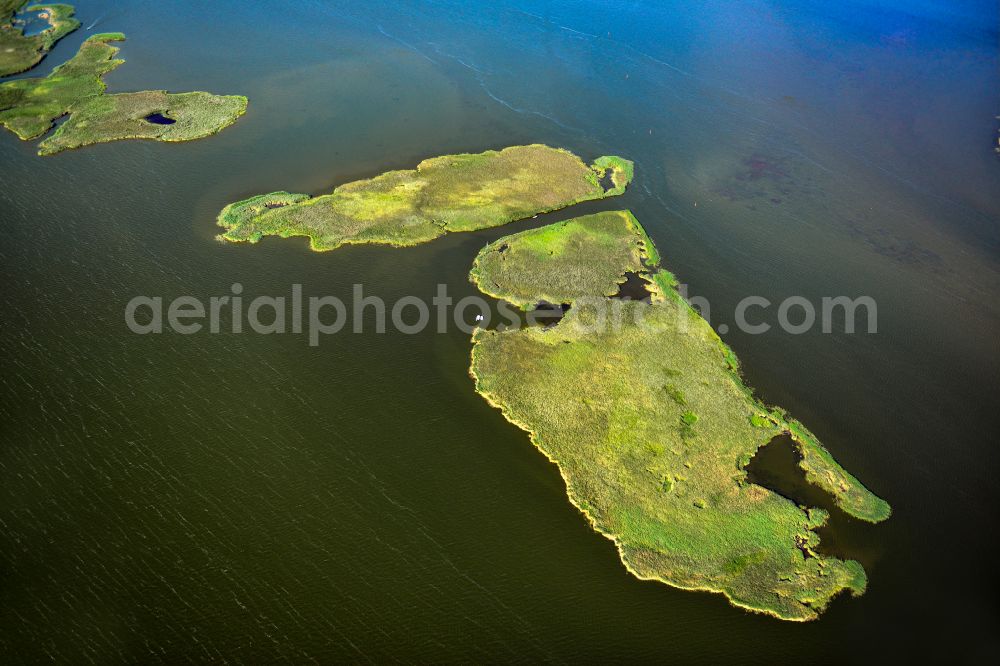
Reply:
x=651, y=425
x=113, y=117
x=450, y=193
x=645, y=415
x=620, y=170
x=29, y=107
x=585, y=256
x=19, y=53
x=675, y=394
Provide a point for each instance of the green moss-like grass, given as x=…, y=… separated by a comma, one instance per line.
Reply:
x=19, y=53
x=621, y=172
x=651, y=425
x=113, y=117
x=560, y=263
x=647, y=418
x=448, y=193
x=29, y=107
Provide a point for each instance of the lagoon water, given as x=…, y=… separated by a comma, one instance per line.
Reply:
x=170, y=499
x=30, y=22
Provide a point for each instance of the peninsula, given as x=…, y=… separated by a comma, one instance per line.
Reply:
x=650, y=424
x=30, y=107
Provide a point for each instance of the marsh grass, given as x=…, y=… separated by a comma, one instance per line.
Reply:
x=123, y=116
x=29, y=107
x=18, y=52
x=563, y=262
x=651, y=426
x=443, y=194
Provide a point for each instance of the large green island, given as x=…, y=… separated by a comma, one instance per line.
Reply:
x=30, y=107
x=645, y=413
x=448, y=193
x=650, y=424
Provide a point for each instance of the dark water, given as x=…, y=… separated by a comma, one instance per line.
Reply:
x=159, y=119
x=776, y=466
x=187, y=498
x=634, y=288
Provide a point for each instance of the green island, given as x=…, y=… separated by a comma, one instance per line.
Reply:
x=19, y=53
x=448, y=193
x=648, y=419
x=651, y=425
x=30, y=107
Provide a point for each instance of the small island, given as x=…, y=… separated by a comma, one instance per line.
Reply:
x=448, y=193
x=20, y=52
x=651, y=425
x=30, y=107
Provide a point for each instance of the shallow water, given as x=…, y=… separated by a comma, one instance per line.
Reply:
x=170, y=498
x=31, y=23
